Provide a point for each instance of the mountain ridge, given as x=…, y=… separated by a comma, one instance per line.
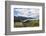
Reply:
x=20, y=18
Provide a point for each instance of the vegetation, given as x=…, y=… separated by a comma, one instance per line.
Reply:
x=31, y=23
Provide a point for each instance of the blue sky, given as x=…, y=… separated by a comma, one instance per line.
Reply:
x=26, y=12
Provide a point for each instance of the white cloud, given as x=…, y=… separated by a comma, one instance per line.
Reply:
x=28, y=12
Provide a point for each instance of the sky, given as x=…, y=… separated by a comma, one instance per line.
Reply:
x=26, y=12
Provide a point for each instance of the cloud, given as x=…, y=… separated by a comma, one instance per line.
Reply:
x=26, y=12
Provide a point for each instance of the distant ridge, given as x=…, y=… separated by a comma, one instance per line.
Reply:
x=20, y=18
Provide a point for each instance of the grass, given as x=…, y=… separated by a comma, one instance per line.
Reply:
x=31, y=23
